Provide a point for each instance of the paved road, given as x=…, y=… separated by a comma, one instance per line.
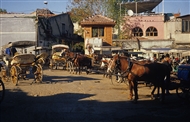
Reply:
x=67, y=97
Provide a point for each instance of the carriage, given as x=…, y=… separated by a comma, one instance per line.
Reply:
x=57, y=60
x=20, y=65
x=183, y=74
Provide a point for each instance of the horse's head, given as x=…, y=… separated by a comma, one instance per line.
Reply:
x=113, y=64
x=105, y=62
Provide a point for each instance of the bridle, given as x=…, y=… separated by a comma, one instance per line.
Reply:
x=125, y=73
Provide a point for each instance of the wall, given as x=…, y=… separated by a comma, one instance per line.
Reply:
x=172, y=28
x=146, y=21
x=16, y=27
x=56, y=29
x=107, y=34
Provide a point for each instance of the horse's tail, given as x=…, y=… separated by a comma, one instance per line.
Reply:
x=75, y=56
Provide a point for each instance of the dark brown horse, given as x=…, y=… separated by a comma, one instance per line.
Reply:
x=81, y=61
x=70, y=57
x=151, y=72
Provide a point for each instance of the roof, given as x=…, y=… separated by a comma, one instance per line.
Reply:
x=184, y=16
x=43, y=12
x=97, y=20
x=20, y=44
x=142, y=6
x=60, y=46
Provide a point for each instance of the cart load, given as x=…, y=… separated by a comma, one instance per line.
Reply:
x=184, y=72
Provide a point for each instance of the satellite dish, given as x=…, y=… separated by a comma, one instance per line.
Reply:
x=130, y=12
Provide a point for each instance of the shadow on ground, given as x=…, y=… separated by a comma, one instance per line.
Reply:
x=19, y=107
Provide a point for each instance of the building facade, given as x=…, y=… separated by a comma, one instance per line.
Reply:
x=97, y=32
x=17, y=27
x=45, y=30
x=155, y=31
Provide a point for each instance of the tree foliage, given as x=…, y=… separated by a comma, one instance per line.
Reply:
x=80, y=9
x=128, y=25
x=3, y=10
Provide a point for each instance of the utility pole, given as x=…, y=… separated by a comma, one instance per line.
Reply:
x=119, y=28
x=45, y=2
x=46, y=18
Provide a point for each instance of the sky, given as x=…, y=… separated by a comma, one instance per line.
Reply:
x=59, y=6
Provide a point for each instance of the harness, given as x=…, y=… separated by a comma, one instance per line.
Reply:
x=128, y=70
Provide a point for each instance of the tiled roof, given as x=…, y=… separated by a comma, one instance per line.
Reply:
x=43, y=12
x=97, y=20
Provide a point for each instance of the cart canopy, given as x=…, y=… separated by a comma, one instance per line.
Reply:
x=20, y=44
x=60, y=46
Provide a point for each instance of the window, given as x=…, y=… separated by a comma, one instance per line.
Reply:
x=137, y=32
x=151, y=31
x=97, y=31
x=186, y=26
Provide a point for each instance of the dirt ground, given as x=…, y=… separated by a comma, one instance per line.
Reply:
x=64, y=97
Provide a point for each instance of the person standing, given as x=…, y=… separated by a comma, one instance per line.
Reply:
x=62, y=54
x=167, y=61
x=8, y=50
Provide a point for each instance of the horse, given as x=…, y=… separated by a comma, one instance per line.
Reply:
x=81, y=61
x=70, y=57
x=151, y=72
x=104, y=65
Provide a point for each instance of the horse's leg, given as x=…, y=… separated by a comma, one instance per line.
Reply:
x=69, y=66
x=135, y=90
x=163, y=92
x=130, y=90
x=72, y=68
x=80, y=70
x=76, y=69
x=152, y=93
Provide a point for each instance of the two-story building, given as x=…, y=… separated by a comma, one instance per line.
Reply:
x=41, y=26
x=98, y=31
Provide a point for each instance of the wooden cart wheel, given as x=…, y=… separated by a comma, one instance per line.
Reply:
x=2, y=91
x=39, y=73
x=4, y=75
x=14, y=75
x=53, y=65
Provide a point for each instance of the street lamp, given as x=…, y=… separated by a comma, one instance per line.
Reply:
x=45, y=2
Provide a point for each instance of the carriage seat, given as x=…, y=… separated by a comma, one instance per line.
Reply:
x=23, y=59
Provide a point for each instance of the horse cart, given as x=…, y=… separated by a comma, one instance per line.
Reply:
x=20, y=65
x=183, y=74
x=57, y=57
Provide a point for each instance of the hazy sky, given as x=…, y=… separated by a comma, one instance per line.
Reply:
x=59, y=6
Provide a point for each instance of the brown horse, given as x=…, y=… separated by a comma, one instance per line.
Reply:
x=81, y=61
x=104, y=65
x=70, y=57
x=151, y=72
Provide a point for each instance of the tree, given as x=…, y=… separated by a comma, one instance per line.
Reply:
x=80, y=9
x=3, y=11
x=128, y=25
